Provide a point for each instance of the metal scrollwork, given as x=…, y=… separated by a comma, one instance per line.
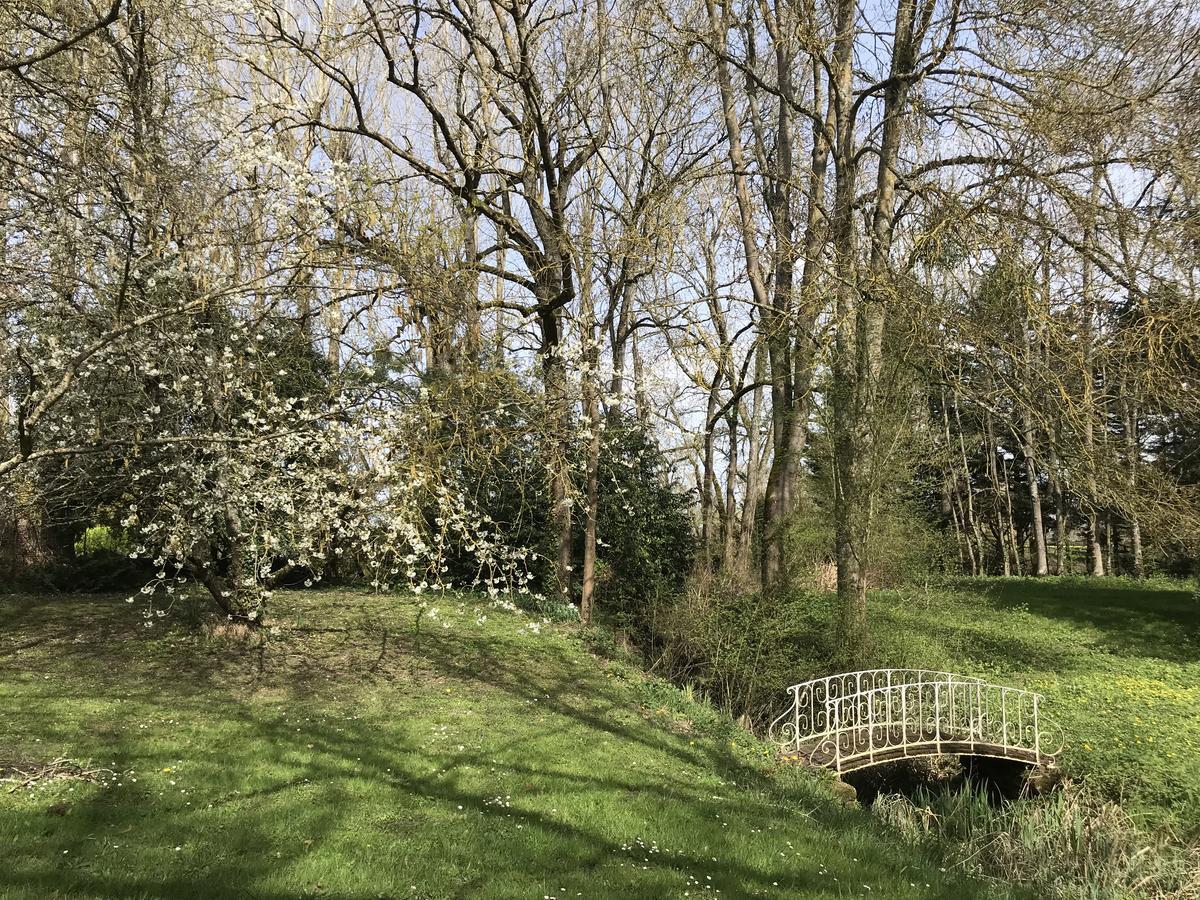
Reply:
x=855, y=719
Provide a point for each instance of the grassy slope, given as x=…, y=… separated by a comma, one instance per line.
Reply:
x=474, y=760
x=1118, y=661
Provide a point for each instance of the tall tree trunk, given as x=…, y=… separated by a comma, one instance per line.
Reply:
x=554, y=376
x=951, y=506
x=998, y=525
x=708, y=488
x=858, y=347
x=772, y=315
x=590, y=335
x=641, y=400
x=1110, y=544
x=591, y=403
x=788, y=417
x=1133, y=459
x=729, y=544
x=469, y=288
x=975, y=529
x=1087, y=336
x=851, y=510
x=1062, y=532
x=1013, y=539
x=754, y=468
x=622, y=329
x=1041, y=564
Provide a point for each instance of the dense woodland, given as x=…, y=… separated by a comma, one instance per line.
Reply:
x=596, y=304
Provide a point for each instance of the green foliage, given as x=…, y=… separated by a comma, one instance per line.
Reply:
x=603, y=643
x=905, y=549
x=644, y=527
x=303, y=371
x=905, y=546
x=484, y=430
x=741, y=650
x=551, y=608
x=487, y=430
x=101, y=539
x=1004, y=297
x=100, y=562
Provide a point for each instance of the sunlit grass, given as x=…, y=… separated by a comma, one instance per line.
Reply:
x=352, y=754
x=1117, y=660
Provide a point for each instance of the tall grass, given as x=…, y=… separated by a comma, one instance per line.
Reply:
x=1069, y=844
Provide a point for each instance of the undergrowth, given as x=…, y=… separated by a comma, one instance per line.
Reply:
x=1068, y=844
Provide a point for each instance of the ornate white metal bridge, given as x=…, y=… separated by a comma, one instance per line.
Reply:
x=859, y=719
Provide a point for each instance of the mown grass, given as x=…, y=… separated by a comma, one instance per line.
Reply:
x=1117, y=660
x=364, y=750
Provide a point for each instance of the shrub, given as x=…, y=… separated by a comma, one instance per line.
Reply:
x=100, y=562
x=98, y=539
x=1068, y=844
x=551, y=608
x=741, y=649
x=905, y=548
x=647, y=543
x=490, y=431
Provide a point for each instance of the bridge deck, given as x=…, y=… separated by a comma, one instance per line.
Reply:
x=825, y=758
x=860, y=749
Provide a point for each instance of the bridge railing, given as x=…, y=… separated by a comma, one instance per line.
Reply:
x=850, y=719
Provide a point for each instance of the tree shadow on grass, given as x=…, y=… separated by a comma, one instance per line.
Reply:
x=248, y=827
x=1135, y=620
x=317, y=754
x=1014, y=651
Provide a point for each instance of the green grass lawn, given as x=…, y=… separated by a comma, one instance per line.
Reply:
x=352, y=755
x=1118, y=662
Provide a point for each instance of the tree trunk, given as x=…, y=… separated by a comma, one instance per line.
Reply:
x=1095, y=550
x=590, y=335
x=1095, y=547
x=1041, y=564
x=622, y=330
x=587, y=598
x=640, y=399
x=469, y=287
x=851, y=510
x=999, y=525
x=729, y=556
x=1062, y=534
x=858, y=347
x=776, y=323
x=554, y=375
x=754, y=469
x=1013, y=538
x=1133, y=459
x=708, y=488
x=771, y=310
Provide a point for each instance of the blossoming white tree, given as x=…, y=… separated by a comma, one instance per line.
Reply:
x=174, y=285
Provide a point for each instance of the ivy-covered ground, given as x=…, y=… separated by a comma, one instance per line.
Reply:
x=1117, y=660
x=358, y=750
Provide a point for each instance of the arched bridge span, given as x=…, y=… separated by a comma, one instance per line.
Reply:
x=858, y=719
